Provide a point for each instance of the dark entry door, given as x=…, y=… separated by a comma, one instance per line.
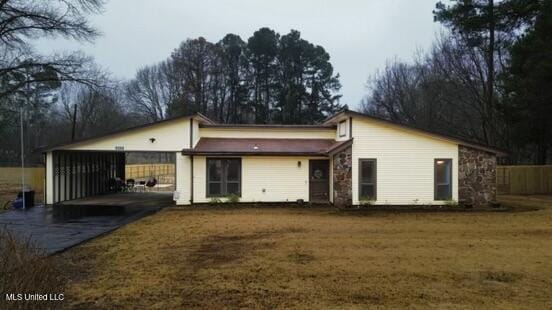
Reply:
x=319, y=183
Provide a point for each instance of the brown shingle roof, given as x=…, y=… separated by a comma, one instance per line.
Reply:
x=338, y=146
x=258, y=146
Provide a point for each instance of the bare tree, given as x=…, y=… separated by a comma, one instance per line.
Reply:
x=443, y=90
x=148, y=93
x=30, y=79
x=22, y=21
x=99, y=110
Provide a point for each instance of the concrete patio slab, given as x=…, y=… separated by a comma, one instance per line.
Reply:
x=57, y=228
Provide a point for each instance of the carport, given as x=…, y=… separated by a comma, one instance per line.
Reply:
x=99, y=175
x=92, y=167
x=78, y=174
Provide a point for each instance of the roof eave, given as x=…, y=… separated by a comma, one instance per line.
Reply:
x=220, y=154
x=328, y=121
x=268, y=126
x=339, y=148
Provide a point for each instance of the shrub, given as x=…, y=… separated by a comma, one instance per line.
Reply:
x=215, y=201
x=451, y=203
x=25, y=269
x=233, y=198
x=366, y=201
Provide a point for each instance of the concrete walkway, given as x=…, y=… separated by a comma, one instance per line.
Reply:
x=54, y=229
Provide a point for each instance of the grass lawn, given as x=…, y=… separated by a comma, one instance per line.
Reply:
x=320, y=258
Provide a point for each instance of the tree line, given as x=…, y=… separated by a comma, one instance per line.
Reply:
x=269, y=78
x=488, y=78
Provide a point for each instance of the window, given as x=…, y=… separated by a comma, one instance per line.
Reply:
x=443, y=179
x=342, y=128
x=367, y=179
x=223, y=177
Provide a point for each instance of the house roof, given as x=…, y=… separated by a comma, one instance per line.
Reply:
x=293, y=148
x=199, y=116
x=339, y=146
x=277, y=126
x=262, y=146
x=462, y=141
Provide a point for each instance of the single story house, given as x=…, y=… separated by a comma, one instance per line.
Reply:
x=349, y=159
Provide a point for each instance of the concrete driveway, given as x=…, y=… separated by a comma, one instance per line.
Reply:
x=54, y=229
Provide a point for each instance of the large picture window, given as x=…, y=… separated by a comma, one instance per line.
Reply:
x=367, y=179
x=223, y=177
x=443, y=179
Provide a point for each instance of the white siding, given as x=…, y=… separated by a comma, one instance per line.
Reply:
x=183, y=187
x=200, y=177
x=280, y=177
x=283, y=133
x=196, y=132
x=405, y=162
x=169, y=136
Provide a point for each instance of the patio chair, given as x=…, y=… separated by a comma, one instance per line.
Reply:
x=141, y=186
x=151, y=183
x=130, y=185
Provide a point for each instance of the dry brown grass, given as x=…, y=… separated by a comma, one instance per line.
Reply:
x=25, y=270
x=8, y=192
x=266, y=258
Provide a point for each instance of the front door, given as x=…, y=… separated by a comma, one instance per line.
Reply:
x=319, y=180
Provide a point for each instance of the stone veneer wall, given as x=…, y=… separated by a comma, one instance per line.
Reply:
x=343, y=178
x=476, y=176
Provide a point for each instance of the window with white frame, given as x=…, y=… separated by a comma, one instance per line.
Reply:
x=367, y=179
x=223, y=177
x=443, y=179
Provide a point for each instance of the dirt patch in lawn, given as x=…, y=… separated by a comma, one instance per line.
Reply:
x=218, y=250
x=317, y=258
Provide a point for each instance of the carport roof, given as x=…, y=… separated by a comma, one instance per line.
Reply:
x=264, y=147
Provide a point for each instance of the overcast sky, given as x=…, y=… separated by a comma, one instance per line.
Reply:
x=359, y=35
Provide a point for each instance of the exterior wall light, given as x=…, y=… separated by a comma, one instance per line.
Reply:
x=299, y=164
x=152, y=140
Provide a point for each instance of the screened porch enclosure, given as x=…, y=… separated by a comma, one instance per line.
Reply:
x=79, y=174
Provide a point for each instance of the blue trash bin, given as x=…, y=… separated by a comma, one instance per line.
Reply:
x=29, y=198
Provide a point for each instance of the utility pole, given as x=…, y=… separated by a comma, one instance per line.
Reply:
x=22, y=159
x=73, y=129
x=22, y=136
